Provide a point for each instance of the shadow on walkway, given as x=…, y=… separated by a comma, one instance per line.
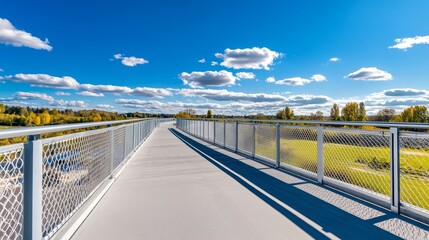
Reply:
x=344, y=224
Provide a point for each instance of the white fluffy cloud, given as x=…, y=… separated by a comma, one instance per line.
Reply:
x=334, y=59
x=104, y=106
x=301, y=103
x=43, y=80
x=130, y=61
x=90, y=94
x=297, y=81
x=245, y=75
x=59, y=93
x=405, y=43
x=370, y=74
x=202, y=60
x=105, y=89
x=225, y=95
x=213, y=63
x=32, y=96
x=248, y=58
x=208, y=78
x=401, y=92
x=68, y=104
x=151, y=92
x=9, y=35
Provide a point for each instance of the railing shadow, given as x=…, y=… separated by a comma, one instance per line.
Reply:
x=343, y=223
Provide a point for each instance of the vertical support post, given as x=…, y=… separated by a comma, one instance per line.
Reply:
x=253, y=139
x=224, y=133
x=33, y=187
x=236, y=136
x=320, y=164
x=395, y=190
x=278, y=144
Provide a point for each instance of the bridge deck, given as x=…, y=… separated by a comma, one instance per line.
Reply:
x=178, y=187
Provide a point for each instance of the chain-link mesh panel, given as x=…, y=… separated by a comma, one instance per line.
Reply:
x=200, y=129
x=414, y=170
x=357, y=157
x=211, y=131
x=219, y=133
x=298, y=147
x=206, y=130
x=265, y=141
x=128, y=139
x=230, y=135
x=72, y=169
x=245, y=137
x=11, y=191
x=118, y=146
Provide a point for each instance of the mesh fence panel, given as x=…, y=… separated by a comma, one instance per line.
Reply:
x=360, y=158
x=230, y=135
x=298, y=147
x=118, y=146
x=245, y=137
x=414, y=170
x=211, y=131
x=11, y=191
x=206, y=130
x=219, y=133
x=265, y=141
x=72, y=169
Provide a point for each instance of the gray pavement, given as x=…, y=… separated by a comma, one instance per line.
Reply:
x=178, y=187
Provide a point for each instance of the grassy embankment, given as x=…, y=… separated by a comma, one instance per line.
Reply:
x=367, y=167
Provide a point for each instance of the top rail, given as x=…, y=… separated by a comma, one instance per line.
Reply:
x=336, y=123
x=26, y=131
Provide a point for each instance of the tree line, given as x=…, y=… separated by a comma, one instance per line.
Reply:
x=352, y=111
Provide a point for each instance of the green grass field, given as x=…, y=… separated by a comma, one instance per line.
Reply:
x=366, y=167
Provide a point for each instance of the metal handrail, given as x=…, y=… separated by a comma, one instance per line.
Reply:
x=336, y=123
x=27, y=131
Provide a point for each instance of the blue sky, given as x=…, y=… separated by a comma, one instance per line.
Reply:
x=234, y=57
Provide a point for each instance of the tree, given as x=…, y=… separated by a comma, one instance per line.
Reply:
x=335, y=112
x=385, y=115
x=407, y=114
x=350, y=112
x=316, y=116
x=362, y=112
x=209, y=114
x=37, y=121
x=285, y=113
x=420, y=114
x=2, y=108
x=45, y=118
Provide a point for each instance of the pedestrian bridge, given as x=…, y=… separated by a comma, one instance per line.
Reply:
x=177, y=186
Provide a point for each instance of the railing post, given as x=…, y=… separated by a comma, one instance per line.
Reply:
x=254, y=139
x=278, y=144
x=236, y=136
x=320, y=163
x=395, y=190
x=33, y=188
x=224, y=134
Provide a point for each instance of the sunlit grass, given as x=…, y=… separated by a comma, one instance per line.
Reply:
x=366, y=167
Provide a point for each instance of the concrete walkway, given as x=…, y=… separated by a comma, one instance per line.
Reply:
x=177, y=187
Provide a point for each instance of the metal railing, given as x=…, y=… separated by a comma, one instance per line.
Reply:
x=44, y=181
x=385, y=163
